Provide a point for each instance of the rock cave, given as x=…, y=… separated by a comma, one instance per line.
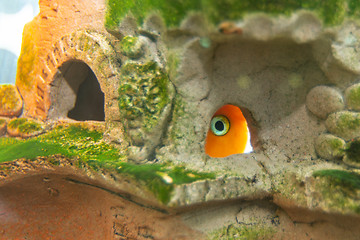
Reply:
x=76, y=93
x=112, y=114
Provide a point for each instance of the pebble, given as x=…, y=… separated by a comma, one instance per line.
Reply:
x=323, y=100
x=329, y=147
x=344, y=124
x=352, y=97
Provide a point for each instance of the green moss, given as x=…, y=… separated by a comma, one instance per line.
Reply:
x=329, y=146
x=30, y=127
x=353, y=97
x=78, y=140
x=339, y=177
x=27, y=60
x=173, y=62
x=6, y=141
x=15, y=123
x=131, y=47
x=353, y=150
x=182, y=131
x=339, y=189
x=143, y=92
x=344, y=124
x=158, y=178
x=332, y=11
x=88, y=149
x=54, y=161
x=161, y=178
x=173, y=12
x=30, y=150
x=232, y=232
x=25, y=125
x=85, y=43
x=336, y=144
x=9, y=97
x=71, y=141
x=290, y=186
x=349, y=121
x=177, y=132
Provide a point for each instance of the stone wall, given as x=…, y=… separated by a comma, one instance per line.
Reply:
x=55, y=20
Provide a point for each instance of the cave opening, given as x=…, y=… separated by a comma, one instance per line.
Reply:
x=76, y=93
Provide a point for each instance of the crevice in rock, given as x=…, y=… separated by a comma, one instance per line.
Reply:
x=124, y=195
x=166, y=126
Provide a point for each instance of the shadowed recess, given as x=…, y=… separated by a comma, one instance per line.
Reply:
x=76, y=93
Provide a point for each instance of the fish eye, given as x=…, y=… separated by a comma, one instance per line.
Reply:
x=220, y=125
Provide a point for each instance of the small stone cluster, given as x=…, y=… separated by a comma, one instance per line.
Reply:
x=341, y=112
x=11, y=104
x=21, y=127
x=11, y=107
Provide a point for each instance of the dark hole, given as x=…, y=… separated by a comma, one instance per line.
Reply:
x=219, y=126
x=89, y=103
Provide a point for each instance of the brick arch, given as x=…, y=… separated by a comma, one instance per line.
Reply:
x=90, y=47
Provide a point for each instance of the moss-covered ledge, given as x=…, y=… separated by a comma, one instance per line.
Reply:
x=328, y=190
x=84, y=148
x=339, y=190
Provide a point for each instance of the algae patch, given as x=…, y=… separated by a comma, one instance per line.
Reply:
x=243, y=233
x=24, y=127
x=131, y=46
x=352, y=151
x=339, y=190
x=10, y=100
x=352, y=96
x=339, y=177
x=344, y=124
x=143, y=92
x=87, y=148
x=331, y=12
x=68, y=141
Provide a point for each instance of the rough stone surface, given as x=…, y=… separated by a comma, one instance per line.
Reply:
x=269, y=65
x=345, y=47
x=145, y=97
x=47, y=29
x=256, y=215
x=154, y=24
x=11, y=104
x=128, y=26
x=352, y=153
x=306, y=27
x=131, y=46
x=3, y=124
x=323, y=100
x=352, y=97
x=67, y=209
x=195, y=24
x=330, y=147
x=351, y=162
x=218, y=189
x=192, y=80
x=24, y=127
x=344, y=124
x=259, y=27
x=331, y=194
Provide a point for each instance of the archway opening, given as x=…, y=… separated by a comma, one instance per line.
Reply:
x=76, y=93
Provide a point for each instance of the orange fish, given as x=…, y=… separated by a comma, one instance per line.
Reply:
x=228, y=133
